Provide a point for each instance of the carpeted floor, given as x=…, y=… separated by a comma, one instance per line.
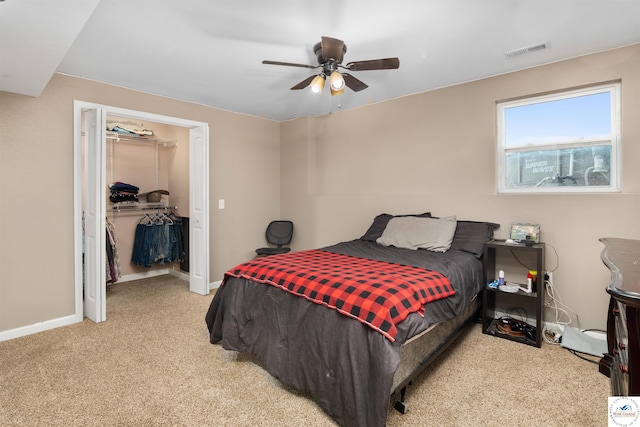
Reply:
x=151, y=364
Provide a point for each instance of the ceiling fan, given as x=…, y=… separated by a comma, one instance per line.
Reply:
x=330, y=53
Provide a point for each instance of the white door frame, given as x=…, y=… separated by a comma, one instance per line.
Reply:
x=198, y=204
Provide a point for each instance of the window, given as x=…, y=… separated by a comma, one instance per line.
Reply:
x=565, y=142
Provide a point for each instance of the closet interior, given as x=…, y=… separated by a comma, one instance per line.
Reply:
x=147, y=206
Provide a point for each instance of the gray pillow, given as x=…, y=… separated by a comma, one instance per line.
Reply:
x=472, y=235
x=380, y=223
x=419, y=233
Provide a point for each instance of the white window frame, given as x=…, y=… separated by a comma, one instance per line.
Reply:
x=614, y=142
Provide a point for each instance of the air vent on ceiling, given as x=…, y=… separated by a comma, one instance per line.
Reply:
x=528, y=49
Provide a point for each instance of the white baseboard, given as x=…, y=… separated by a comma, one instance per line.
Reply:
x=69, y=320
x=180, y=275
x=153, y=273
x=38, y=327
x=143, y=275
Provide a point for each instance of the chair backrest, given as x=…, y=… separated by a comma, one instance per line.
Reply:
x=279, y=232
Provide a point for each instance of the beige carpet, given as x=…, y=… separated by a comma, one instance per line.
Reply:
x=151, y=364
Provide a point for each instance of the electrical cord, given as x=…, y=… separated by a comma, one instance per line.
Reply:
x=555, y=303
x=584, y=357
x=513, y=254
x=557, y=258
x=549, y=336
x=514, y=312
x=559, y=311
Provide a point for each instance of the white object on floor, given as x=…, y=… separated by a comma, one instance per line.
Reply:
x=575, y=339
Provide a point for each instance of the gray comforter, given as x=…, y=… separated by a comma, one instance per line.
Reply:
x=344, y=365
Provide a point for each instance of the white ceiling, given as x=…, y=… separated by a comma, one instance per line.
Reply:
x=210, y=51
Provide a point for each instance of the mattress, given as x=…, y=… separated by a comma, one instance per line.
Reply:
x=348, y=368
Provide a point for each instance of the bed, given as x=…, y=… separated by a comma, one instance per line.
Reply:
x=353, y=356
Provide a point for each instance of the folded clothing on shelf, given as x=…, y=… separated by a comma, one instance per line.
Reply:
x=123, y=192
x=123, y=186
x=128, y=128
x=119, y=197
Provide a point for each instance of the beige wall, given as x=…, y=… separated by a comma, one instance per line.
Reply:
x=432, y=151
x=178, y=165
x=436, y=151
x=36, y=190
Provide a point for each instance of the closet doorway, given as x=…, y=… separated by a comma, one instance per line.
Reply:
x=90, y=183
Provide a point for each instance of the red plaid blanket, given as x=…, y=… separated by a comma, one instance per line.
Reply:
x=379, y=294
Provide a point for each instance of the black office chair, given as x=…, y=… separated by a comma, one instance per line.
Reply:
x=278, y=233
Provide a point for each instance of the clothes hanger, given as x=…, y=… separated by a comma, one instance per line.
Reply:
x=167, y=218
x=146, y=217
x=158, y=218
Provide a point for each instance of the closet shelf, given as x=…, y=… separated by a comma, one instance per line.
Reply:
x=164, y=142
x=137, y=206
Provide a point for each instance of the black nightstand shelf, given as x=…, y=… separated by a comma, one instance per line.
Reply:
x=491, y=298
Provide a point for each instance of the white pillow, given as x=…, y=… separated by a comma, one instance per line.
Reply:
x=434, y=234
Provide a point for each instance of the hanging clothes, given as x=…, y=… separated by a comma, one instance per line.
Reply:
x=112, y=259
x=177, y=248
x=158, y=239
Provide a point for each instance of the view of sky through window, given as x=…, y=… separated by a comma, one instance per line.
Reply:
x=560, y=120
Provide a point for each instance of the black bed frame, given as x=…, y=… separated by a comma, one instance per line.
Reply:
x=398, y=395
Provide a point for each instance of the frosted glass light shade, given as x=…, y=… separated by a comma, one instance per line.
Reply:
x=336, y=81
x=317, y=84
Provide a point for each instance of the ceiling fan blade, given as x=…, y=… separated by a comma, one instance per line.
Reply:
x=289, y=64
x=353, y=83
x=374, y=64
x=332, y=49
x=303, y=83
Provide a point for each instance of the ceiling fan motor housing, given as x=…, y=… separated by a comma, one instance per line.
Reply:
x=332, y=63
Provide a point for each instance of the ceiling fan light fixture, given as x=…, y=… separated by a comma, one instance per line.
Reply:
x=317, y=84
x=330, y=53
x=336, y=81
